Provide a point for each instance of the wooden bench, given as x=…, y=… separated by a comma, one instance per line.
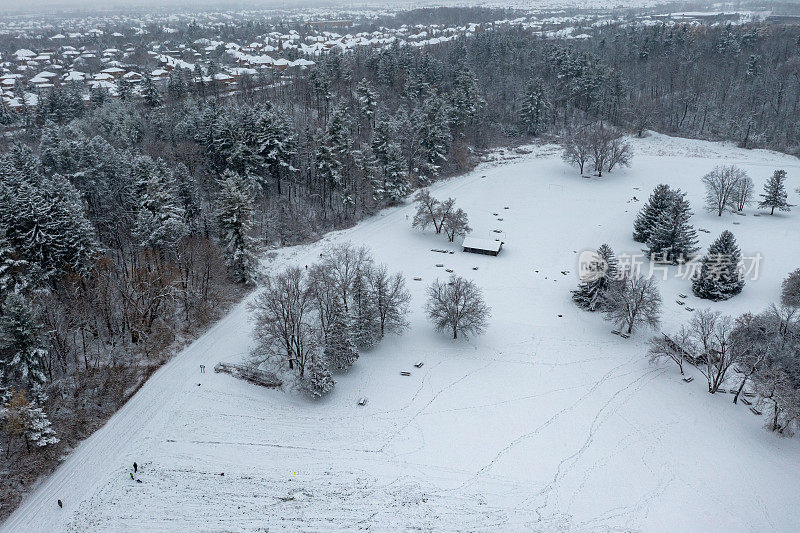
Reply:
x=755, y=411
x=405, y=373
x=419, y=364
x=689, y=379
x=362, y=401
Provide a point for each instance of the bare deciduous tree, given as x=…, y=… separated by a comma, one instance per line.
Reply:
x=282, y=319
x=456, y=223
x=457, y=306
x=343, y=263
x=430, y=211
x=722, y=184
x=673, y=348
x=709, y=333
x=390, y=297
x=633, y=300
x=577, y=150
x=743, y=194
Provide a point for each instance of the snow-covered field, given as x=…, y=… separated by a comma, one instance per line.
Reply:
x=546, y=422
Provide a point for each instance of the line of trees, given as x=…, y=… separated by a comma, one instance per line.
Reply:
x=759, y=353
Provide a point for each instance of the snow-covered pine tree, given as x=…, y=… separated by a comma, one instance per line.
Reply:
x=20, y=341
x=720, y=276
x=150, y=92
x=673, y=239
x=367, y=101
x=534, y=106
x=234, y=214
x=188, y=194
x=176, y=84
x=590, y=291
x=38, y=430
x=465, y=99
x=394, y=186
x=365, y=326
x=775, y=196
x=124, y=89
x=27, y=421
x=318, y=380
x=660, y=199
x=340, y=349
x=160, y=221
x=434, y=138
x=10, y=266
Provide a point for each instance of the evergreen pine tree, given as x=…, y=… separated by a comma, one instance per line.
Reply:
x=365, y=326
x=124, y=89
x=150, y=92
x=590, y=291
x=188, y=193
x=20, y=346
x=318, y=380
x=673, y=239
x=720, y=275
x=465, y=99
x=660, y=199
x=395, y=185
x=534, y=106
x=234, y=214
x=434, y=137
x=160, y=221
x=775, y=195
x=176, y=84
x=340, y=349
x=367, y=101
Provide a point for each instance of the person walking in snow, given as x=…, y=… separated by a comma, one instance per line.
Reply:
x=135, y=467
x=202, y=369
x=60, y=505
x=133, y=478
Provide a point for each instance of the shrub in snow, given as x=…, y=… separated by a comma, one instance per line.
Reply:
x=720, y=275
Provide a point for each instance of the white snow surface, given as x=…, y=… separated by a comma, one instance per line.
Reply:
x=545, y=423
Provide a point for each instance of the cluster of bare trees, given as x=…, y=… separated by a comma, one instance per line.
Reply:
x=598, y=144
x=759, y=353
x=444, y=217
x=312, y=321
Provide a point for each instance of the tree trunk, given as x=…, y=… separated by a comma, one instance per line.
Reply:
x=739, y=391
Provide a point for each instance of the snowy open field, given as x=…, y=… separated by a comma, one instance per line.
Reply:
x=543, y=423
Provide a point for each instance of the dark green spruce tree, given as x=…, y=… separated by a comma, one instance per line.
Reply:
x=720, y=274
